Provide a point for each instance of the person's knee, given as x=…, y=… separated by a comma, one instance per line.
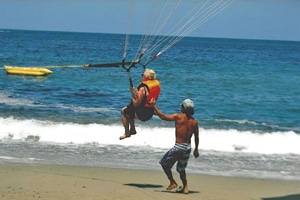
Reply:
x=122, y=111
x=180, y=170
x=166, y=166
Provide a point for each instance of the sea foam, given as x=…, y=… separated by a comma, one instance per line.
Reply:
x=152, y=137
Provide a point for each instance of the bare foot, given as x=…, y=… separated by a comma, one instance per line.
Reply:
x=132, y=132
x=183, y=190
x=124, y=136
x=172, y=186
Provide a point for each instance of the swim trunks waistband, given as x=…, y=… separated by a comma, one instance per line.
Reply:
x=183, y=146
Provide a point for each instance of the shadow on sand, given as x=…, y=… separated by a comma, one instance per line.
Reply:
x=178, y=192
x=287, y=197
x=139, y=185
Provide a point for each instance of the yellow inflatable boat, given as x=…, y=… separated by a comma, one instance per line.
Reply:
x=33, y=71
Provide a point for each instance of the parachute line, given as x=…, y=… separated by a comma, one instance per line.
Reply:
x=169, y=21
x=129, y=24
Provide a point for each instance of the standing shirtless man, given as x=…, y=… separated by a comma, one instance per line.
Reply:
x=185, y=127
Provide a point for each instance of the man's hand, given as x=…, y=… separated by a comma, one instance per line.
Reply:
x=196, y=153
x=152, y=101
x=131, y=89
x=132, y=92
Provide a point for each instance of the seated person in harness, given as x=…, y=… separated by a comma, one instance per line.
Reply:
x=139, y=107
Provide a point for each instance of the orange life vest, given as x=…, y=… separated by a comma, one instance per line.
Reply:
x=153, y=87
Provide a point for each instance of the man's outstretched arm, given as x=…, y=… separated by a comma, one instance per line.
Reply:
x=161, y=115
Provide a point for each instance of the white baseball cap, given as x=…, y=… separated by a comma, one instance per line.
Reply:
x=188, y=105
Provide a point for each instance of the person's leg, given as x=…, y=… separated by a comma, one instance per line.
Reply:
x=185, y=189
x=126, y=122
x=167, y=162
x=181, y=165
x=132, y=130
x=169, y=174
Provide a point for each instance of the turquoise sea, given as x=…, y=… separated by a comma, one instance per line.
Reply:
x=246, y=95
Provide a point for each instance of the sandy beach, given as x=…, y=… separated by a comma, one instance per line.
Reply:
x=19, y=181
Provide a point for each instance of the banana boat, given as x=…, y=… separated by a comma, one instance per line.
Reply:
x=33, y=71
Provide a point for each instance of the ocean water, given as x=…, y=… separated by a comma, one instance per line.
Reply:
x=246, y=95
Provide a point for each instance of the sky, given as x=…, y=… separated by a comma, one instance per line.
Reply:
x=244, y=19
